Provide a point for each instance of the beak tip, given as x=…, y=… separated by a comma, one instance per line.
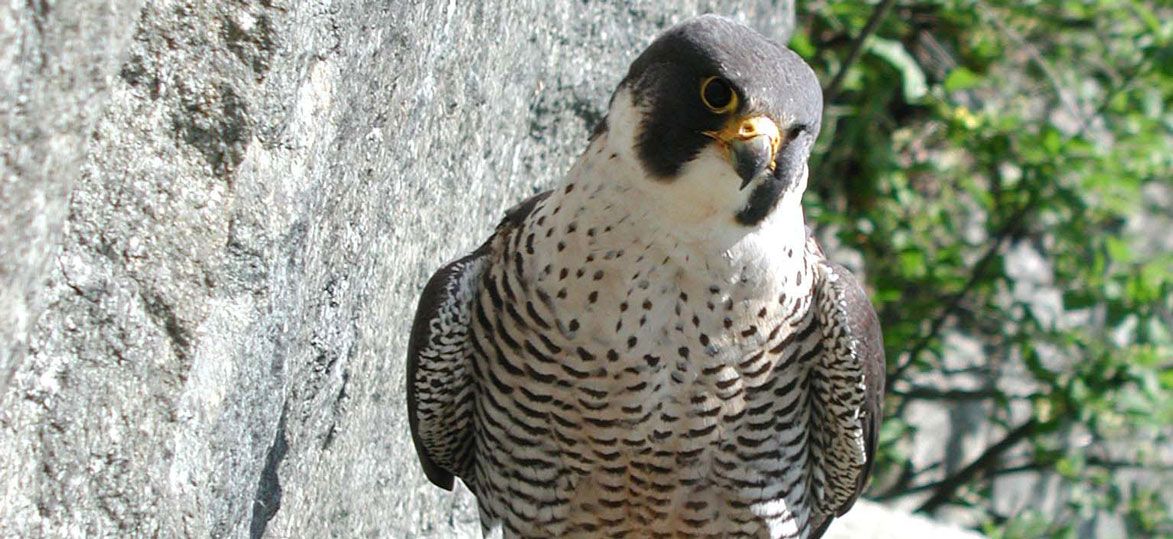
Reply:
x=751, y=158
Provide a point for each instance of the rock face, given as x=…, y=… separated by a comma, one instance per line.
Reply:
x=217, y=217
x=55, y=66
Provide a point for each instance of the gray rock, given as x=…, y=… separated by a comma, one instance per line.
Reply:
x=55, y=66
x=217, y=217
x=872, y=520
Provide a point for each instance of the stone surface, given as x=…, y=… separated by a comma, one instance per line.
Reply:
x=868, y=520
x=217, y=217
x=55, y=66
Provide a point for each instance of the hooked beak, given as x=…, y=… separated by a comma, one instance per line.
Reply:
x=750, y=144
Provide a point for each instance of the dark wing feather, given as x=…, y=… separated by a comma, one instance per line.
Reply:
x=865, y=327
x=852, y=322
x=440, y=384
x=439, y=371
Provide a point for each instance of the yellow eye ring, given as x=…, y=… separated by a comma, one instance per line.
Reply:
x=717, y=95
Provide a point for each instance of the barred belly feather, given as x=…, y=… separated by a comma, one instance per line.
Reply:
x=622, y=392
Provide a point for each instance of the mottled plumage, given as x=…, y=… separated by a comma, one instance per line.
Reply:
x=657, y=347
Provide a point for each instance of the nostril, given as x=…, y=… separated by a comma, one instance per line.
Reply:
x=795, y=131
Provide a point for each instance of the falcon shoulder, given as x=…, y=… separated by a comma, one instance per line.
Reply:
x=847, y=388
x=440, y=381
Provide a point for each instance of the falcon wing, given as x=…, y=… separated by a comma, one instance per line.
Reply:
x=440, y=382
x=439, y=369
x=847, y=388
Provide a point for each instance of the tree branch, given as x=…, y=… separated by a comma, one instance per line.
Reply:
x=869, y=28
x=931, y=393
x=979, y=467
x=1035, y=466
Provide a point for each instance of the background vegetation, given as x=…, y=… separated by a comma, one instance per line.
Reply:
x=1005, y=172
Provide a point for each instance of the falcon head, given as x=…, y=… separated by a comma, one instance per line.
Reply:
x=719, y=121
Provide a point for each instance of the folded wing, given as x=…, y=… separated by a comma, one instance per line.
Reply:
x=440, y=385
x=846, y=389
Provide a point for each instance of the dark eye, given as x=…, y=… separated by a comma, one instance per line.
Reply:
x=717, y=95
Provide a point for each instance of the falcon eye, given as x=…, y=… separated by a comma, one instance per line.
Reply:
x=717, y=95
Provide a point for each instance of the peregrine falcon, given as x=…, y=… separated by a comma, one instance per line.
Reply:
x=657, y=347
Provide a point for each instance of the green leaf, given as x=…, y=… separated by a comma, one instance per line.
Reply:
x=801, y=44
x=961, y=79
x=1146, y=14
x=1078, y=299
x=912, y=262
x=1165, y=378
x=912, y=77
x=1119, y=250
x=1053, y=141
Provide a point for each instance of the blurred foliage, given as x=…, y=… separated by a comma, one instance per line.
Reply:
x=966, y=131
